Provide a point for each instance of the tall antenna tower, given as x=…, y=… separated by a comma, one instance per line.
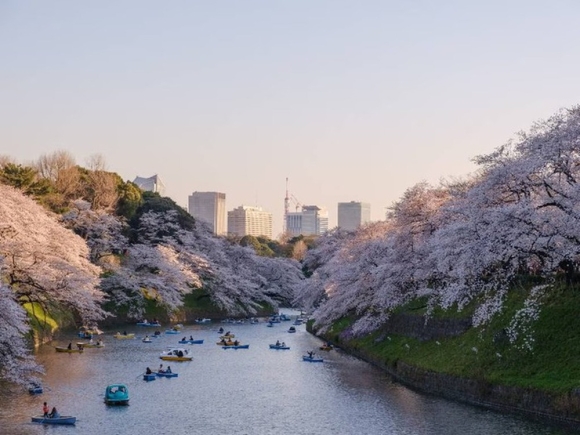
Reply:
x=286, y=207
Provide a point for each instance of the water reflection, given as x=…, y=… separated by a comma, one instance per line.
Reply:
x=247, y=391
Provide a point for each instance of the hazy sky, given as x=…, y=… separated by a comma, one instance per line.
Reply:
x=351, y=100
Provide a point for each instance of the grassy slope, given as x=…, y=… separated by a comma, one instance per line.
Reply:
x=552, y=366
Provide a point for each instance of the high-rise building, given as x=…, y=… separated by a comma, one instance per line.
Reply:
x=352, y=215
x=151, y=184
x=312, y=220
x=209, y=207
x=249, y=221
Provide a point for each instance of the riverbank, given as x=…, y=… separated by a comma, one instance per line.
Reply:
x=447, y=356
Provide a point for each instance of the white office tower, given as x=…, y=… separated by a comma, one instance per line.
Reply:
x=352, y=215
x=209, y=207
x=151, y=184
x=249, y=221
x=312, y=220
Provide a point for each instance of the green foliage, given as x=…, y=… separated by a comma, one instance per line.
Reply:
x=260, y=245
x=130, y=198
x=18, y=176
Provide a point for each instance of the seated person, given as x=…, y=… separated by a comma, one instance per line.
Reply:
x=236, y=343
x=184, y=339
x=148, y=371
x=277, y=342
x=161, y=369
x=283, y=344
x=168, y=369
x=180, y=354
x=191, y=337
x=54, y=413
x=69, y=347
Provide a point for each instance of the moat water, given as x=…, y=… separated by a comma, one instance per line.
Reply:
x=246, y=391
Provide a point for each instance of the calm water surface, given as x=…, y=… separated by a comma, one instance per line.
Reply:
x=253, y=391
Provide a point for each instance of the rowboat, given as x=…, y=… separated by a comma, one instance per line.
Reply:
x=117, y=394
x=190, y=341
x=90, y=344
x=311, y=358
x=147, y=340
x=166, y=375
x=124, y=336
x=35, y=388
x=279, y=346
x=292, y=329
x=226, y=343
x=176, y=354
x=202, y=320
x=149, y=324
x=237, y=346
x=63, y=419
x=67, y=350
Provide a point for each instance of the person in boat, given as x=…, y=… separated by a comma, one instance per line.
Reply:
x=157, y=332
x=146, y=338
x=45, y=409
x=310, y=354
x=161, y=369
x=283, y=344
x=54, y=413
x=191, y=337
x=69, y=347
x=180, y=354
x=168, y=370
x=184, y=339
x=79, y=346
x=124, y=332
x=148, y=371
x=277, y=342
x=221, y=330
x=236, y=343
x=144, y=321
x=99, y=342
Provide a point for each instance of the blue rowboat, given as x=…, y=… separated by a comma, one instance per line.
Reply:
x=63, y=419
x=35, y=388
x=166, y=375
x=279, y=346
x=190, y=341
x=311, y=359
x=239, y=346
x=149, y=377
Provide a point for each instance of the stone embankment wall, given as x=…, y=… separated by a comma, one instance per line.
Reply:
x=539, y=405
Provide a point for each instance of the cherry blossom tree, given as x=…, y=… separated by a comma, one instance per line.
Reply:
x=16, y=361
x=43, y=261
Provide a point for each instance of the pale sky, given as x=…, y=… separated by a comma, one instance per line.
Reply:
x=351, y=100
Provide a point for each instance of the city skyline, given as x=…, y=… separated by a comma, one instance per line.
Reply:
x=350, y=101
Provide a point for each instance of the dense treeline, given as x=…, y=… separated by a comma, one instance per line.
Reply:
x=465, y=243
x=82, y=241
